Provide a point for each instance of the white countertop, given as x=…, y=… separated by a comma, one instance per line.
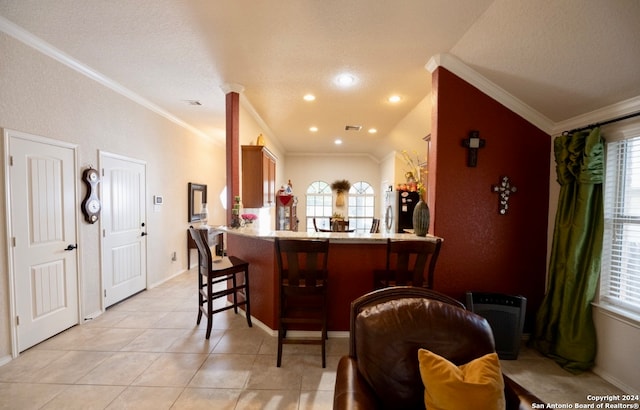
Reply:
x=336, y=237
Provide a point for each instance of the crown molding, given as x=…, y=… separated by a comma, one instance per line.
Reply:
x=246, y=104
x=47, y=49
x=609, y=112
x=393, y=155
x=232, y=87
x=273, y=138
x=456, y=66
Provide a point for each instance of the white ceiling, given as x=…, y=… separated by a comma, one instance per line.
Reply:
x=562, y=58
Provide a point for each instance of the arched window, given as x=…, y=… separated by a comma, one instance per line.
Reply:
x=361, y=206
x=318, y=205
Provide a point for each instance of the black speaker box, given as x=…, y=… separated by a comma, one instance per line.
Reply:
x=505, y=314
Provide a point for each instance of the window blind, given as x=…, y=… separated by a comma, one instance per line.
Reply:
x=620, y=276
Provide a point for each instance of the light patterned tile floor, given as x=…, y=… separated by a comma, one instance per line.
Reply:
x=147, y=353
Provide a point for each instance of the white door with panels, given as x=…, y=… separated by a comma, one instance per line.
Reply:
x=42, y=209
x=124, y=250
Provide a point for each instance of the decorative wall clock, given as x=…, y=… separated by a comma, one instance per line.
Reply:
x=91, y=205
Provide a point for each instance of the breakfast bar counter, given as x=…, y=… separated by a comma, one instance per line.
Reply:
x=352, y=259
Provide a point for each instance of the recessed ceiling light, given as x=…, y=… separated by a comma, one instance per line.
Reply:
x=338, y=141
x=372, y=130
x=345, y=80
x=309, y=97
x=394, y=99
x=313, y=129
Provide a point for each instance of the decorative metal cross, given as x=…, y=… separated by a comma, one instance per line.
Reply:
x=505, y=189
x=473, y=143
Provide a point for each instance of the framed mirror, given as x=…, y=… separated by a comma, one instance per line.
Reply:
x=197, y=197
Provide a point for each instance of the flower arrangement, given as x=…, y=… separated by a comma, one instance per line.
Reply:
x=249, y=218
x=341, y=185
x=415, y=174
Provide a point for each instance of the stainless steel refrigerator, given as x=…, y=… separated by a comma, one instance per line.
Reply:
x=399, y=207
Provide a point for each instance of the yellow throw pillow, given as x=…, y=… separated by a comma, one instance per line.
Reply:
x=474, y=385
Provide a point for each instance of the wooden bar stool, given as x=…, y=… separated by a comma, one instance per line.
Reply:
x=302, y=278
x=234, y=271
x=407, y=263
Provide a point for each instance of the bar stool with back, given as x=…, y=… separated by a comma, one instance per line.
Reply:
x=407, y=263
x=232, y=270
x=302, y=279
x=375, y=225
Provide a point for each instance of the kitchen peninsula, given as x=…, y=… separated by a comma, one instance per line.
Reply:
x=352, y=259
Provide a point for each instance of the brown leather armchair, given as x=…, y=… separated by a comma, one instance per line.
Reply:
x=388, y=326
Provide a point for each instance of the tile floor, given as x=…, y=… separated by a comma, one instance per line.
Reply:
x=147, y=353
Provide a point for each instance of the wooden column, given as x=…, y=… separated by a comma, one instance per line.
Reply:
x=232, y=99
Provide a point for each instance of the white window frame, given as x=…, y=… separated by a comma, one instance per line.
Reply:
x=318, y=191
x=361, y=209
x=617, y=219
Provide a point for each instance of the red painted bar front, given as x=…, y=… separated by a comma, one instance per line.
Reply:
x=351, y=265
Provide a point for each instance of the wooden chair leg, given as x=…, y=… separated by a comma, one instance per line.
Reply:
x=324, y=336
x=200, y=299
x=324, y=347
x=209, y=308
x=247, y=304
x=280, y=335
x=234, y=281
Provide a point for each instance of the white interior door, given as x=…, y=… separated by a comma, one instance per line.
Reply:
x=124, y=255
x=43, y=214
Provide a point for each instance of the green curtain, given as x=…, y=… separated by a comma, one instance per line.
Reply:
x=564, y=327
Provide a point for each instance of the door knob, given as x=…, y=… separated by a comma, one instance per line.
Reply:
x=143, y=234
x=71, y=247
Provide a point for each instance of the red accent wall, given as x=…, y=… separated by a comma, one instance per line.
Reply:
x=483, y=250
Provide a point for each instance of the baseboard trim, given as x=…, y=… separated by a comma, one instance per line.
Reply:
x=613, y=380
x=5, y=359
x=298, y=334
x=156, y=284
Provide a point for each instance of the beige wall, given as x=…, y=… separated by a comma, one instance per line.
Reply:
x=43, y=97
x=305, y=169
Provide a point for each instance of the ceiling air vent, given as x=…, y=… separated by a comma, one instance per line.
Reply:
x=353, y=127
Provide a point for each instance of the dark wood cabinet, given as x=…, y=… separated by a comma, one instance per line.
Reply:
x=286, y=213
x=258, y=177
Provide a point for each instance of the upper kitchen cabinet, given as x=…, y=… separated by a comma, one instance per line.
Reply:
x=258, y=176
